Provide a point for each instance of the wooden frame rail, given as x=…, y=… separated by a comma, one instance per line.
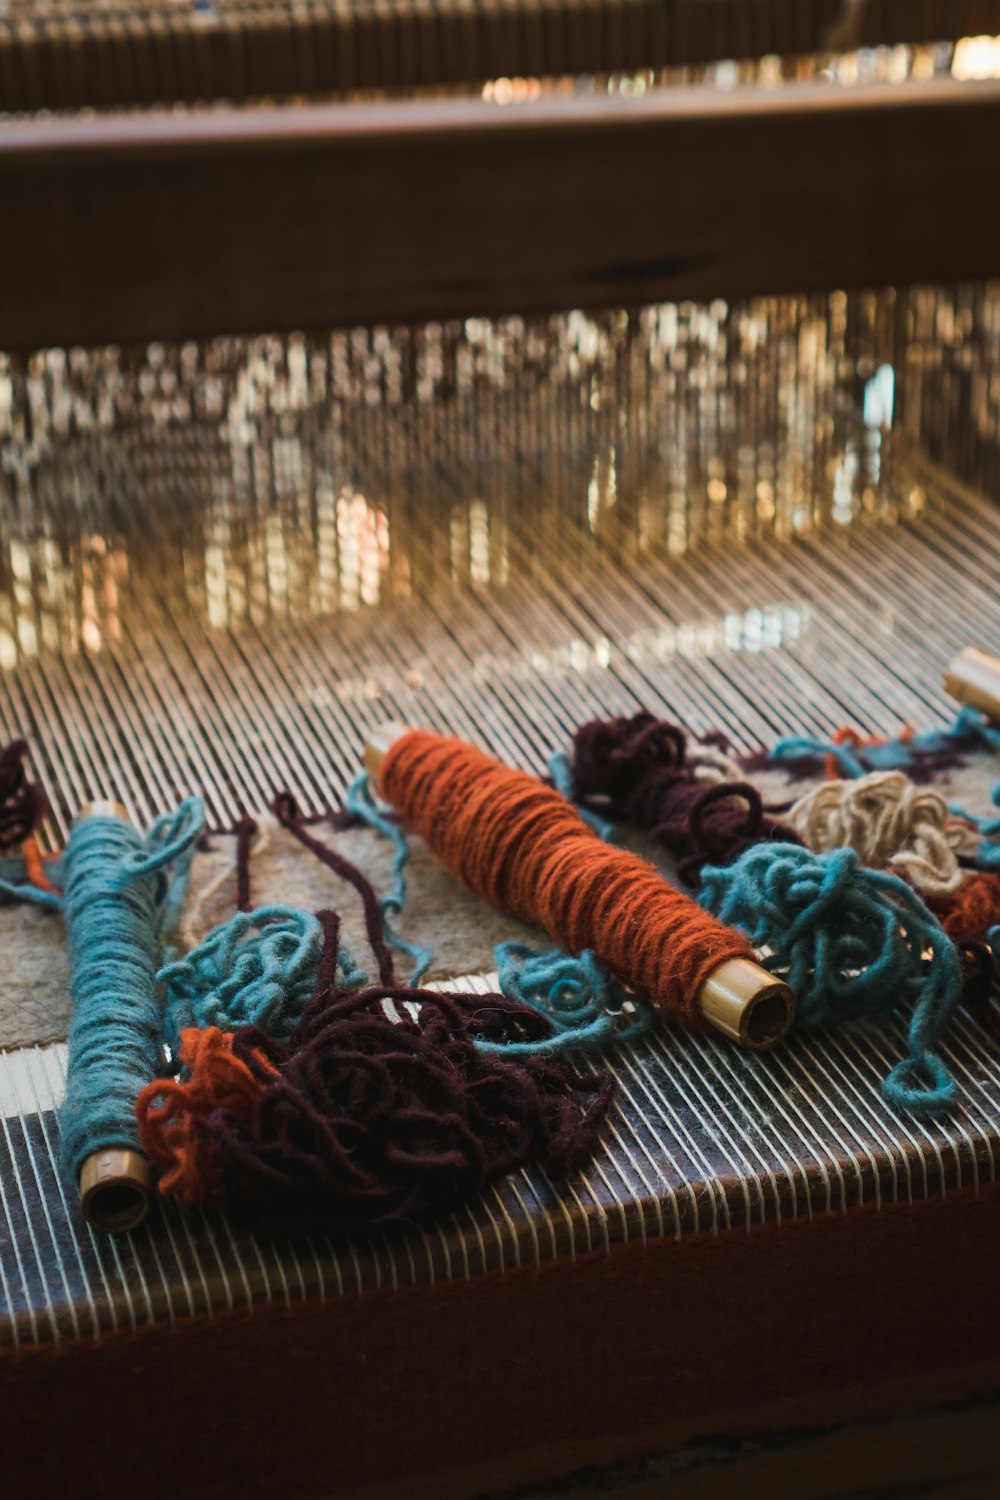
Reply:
x=176, y=226
x=109, y=53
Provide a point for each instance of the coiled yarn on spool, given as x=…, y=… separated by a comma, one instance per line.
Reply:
x=852, y=942
x=586, y=1007
x=122, y=894
x=117, y=901
x=520, y=846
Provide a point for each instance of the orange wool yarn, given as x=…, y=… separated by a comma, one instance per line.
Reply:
x=973, y=909
x=170, y=1113
x=34, y=864
x=845, y=735
x=519, y=845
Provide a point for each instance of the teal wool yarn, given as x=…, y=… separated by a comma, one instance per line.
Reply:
x=121, y=892
x=851, y=942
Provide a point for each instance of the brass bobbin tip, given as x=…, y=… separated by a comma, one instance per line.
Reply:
x=101, y=808
x=115, y=1189
x=381, y=742
x=974, y=678
x=747, y=1004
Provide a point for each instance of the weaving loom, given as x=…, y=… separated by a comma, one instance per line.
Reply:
x=747, y=484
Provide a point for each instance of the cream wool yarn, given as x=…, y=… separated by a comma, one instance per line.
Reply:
x=888, y=821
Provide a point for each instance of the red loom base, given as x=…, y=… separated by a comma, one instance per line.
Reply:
x=450, y=1389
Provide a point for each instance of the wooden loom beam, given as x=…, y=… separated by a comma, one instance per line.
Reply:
x=117, y=54
x=242, y=221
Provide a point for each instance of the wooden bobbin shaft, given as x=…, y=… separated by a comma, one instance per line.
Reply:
x=974, y=678
x=115, y=1183
x=740, y=998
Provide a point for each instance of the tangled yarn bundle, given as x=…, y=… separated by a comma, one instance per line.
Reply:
x=379, y=1108
x=641, y=765
x=886, y=820
x=173, y=1117
x=22, y=805
x=257, y=969
x=614, y=758
x=969, y=911
x=850, y=754
x=970, y=916
x=583, y=1004
x=851, y=942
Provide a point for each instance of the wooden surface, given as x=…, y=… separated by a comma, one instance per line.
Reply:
x=243, y=221
x=108, y=53
x=946, y=1455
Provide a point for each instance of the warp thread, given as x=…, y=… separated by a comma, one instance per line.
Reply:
x=886, y=820
x=851, y=942
x=517, y=844
x=378, y=1109
x=641, y=765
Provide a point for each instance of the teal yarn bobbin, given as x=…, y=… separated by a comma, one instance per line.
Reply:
x=121, y=893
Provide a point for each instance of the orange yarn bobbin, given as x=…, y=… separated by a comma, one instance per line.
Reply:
x=520, y=846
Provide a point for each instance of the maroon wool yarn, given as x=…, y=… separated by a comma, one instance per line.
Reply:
x=22, y=804
x=375, y=1113
x=639, y=765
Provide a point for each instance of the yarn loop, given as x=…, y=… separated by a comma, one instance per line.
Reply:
x=851, y=942
x=885, y=819
x=257, y=969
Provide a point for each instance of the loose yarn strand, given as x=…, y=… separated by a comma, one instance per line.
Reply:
x=244, y=855
x=921, y=756
x=361, y=803
x=287, y=813
x=583, y=1003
